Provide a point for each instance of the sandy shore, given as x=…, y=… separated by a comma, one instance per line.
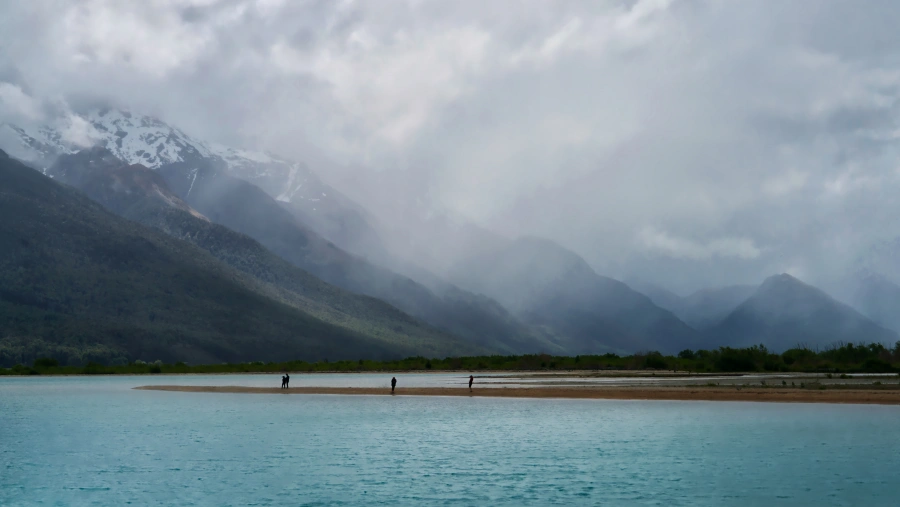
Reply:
x=787, y=395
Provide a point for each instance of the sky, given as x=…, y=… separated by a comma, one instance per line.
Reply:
x=687, y=142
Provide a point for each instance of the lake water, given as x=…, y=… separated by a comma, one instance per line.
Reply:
x=95, y=441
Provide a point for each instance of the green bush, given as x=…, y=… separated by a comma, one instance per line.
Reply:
x=45, y=363
x=687, y=354
x=656, y=361
x=873, y=365
x=93, y=368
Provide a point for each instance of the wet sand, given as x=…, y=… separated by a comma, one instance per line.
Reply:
x=774, y=394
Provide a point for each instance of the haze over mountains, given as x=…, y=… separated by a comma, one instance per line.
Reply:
x=302, y=250
x=81, y=284
x=785, y=313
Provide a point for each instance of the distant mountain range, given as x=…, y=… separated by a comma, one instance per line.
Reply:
x=80, y=284
x=269, y=231
x=140, y=139
x=554, y=288
x=701, y=310
x=245, y=210
x=785, y=313
x=875, y=295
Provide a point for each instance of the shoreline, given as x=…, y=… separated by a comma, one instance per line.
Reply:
x=745, y=394
x=505, y=373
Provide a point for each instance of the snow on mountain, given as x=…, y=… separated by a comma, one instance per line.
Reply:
x=140, y=139
x=40, y=146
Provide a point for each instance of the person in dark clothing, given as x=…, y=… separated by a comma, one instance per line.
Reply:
x=283, y=381
x=287, y=381
x=471, y=379
x=393, y=384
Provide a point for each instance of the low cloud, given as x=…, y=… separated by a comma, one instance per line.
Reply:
x=750, y=134
x=660, y=242
x=17, y=106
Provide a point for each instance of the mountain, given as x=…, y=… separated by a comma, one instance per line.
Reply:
x=554, y=288
x=144, y=140
x=142, y=195
x=435, y=241
x=784, y=313
x=707, y=307
x=702, y=309
x=661, y=297
x=290, y=211
x=245, y=208
x=79, y=283
x=875, y=296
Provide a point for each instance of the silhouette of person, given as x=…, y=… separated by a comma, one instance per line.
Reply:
x=471, y=379
x=393, y=384
x=283, y=381
x=287, y=381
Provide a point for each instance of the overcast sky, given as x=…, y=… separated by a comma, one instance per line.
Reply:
x=694, y=142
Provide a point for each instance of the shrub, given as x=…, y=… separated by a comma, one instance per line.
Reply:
x=656, y=361
x=792, y=356
x=93, y=368
x=734, y=362
x=873, y=365
x=156, y=369
x=45, y=362
x=687, y=354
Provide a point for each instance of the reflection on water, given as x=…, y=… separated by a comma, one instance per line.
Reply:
x=67, y=441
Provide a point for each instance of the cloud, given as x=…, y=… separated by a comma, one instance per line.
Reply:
x=752, y=135
x=785, y=183
x=661, y=242
x=77, y=131
x=16, y=105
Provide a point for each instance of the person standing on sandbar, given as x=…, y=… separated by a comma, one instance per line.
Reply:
x=393, y=384
x=471, y=379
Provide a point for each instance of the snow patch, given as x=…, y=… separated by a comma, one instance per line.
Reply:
x=193, y=179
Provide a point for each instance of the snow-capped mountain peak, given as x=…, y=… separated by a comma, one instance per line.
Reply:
x=141, y=139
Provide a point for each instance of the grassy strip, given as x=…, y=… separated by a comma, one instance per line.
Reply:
x=848, y=358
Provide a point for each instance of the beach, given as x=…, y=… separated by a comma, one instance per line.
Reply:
x=852, y=395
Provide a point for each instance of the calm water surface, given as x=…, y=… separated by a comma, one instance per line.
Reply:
x=94, y=441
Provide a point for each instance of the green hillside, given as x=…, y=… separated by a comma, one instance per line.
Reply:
x=245, y=208
x=140, y=194
x=80, y=284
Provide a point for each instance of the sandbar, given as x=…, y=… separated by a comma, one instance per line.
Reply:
x=749, y=394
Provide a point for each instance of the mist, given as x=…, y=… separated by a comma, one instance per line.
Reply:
x=688, y=143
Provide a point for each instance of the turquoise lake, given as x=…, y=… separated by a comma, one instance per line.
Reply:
x=95, y=441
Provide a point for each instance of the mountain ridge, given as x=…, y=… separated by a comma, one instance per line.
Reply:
x=784, y=313
x=82, y=284
x=553, y=287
